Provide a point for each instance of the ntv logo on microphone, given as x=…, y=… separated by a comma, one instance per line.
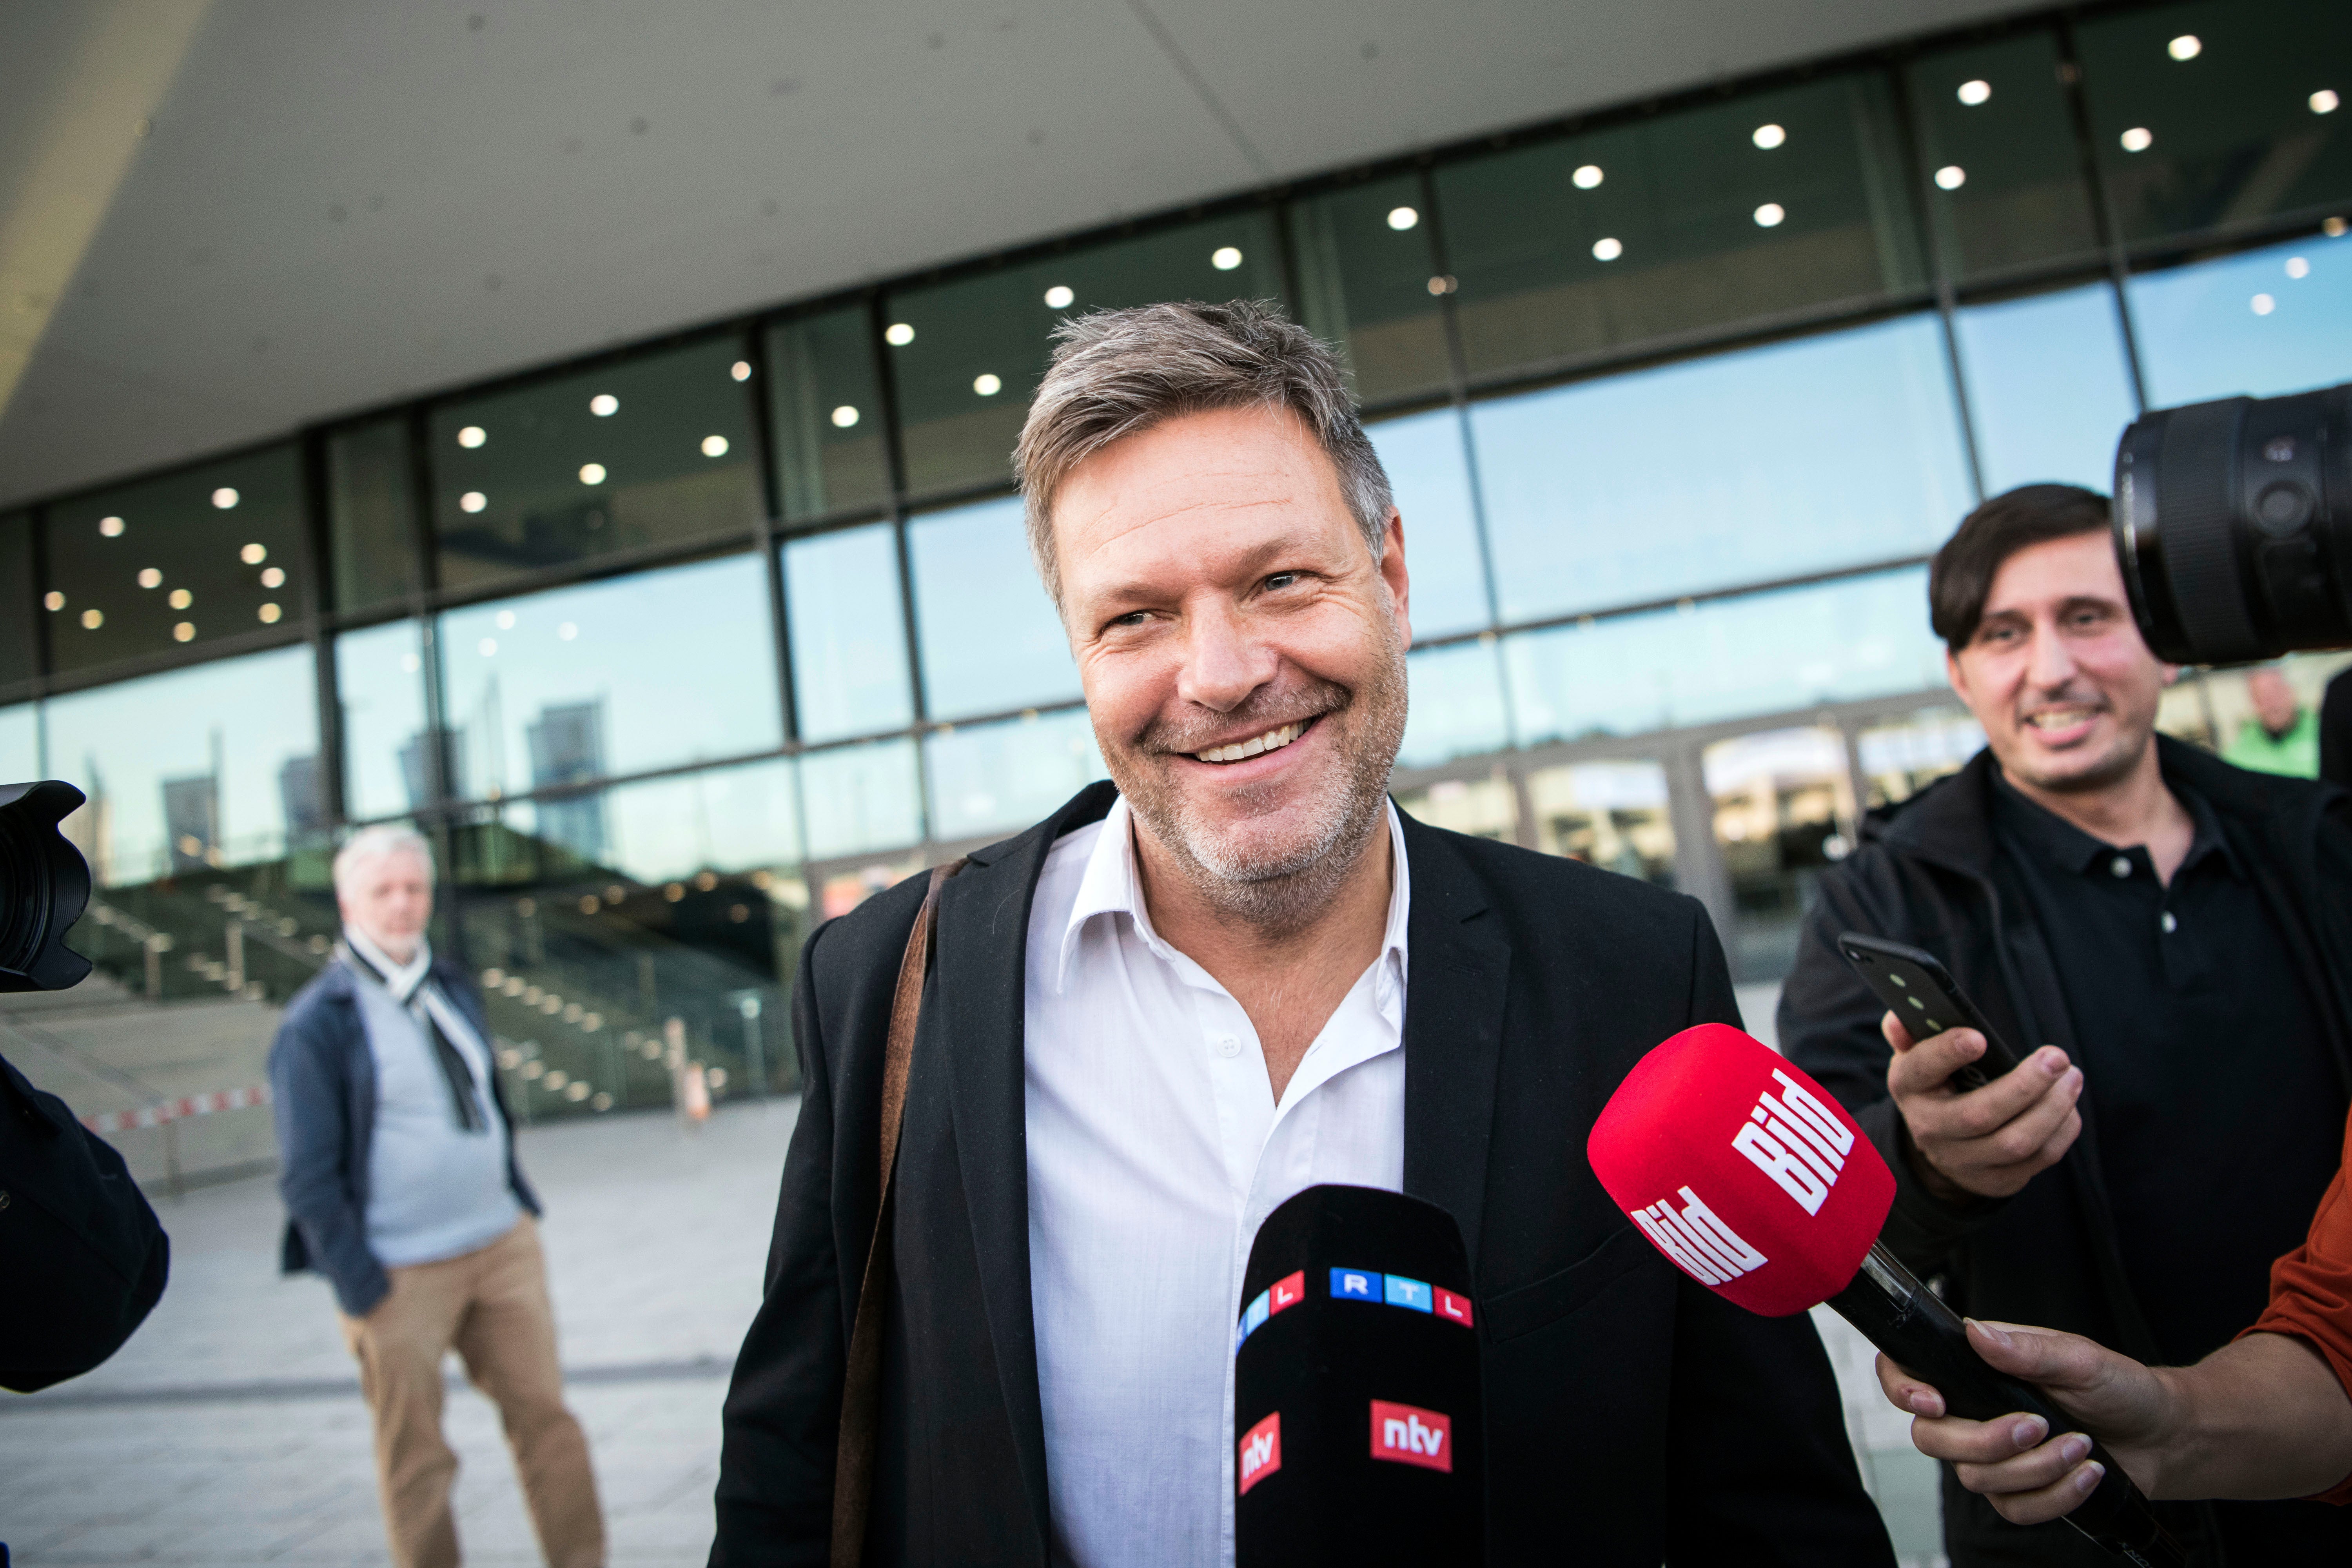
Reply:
x=1797, y=1140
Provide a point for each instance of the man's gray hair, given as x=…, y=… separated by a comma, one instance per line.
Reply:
x=375, y=842
x=1118, y=372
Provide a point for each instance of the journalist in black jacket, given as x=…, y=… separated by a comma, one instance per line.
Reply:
x=1928, y=873
x=1631, y=1417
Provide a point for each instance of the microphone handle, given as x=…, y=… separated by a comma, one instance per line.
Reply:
x=1911, y=1323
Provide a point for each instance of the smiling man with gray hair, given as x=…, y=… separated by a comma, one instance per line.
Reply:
x=1233, y=972
x=401, y=1186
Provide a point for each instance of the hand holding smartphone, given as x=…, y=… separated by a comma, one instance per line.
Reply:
x=1917, y=988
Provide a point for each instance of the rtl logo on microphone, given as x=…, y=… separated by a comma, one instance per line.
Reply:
x=1795, y=1139
x=1408, y=1435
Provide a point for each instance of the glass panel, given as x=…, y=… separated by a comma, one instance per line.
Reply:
x=859, y=799
x=2048, y=387
x=379, y=683
x=193, y=557
x=966, y=355
x=211, y=766
x=1429, y=473
x=16, y=596
x=1783, y=811
x=371, y=513
x=2224, y=715
x=1455, y=705
x=827, y=408
x=1903, y=756
x=1797, y=458
x=848, y=631
x=991, y=641
x=20, y=743
x=1772, y=203
x=1483, y=809
x=1000, y=778
x=619, y=677
x=1758, y=653
x=641, y=452
x=680, y=929
x=2219, y=115
x=1998, y=138
x=844, y=890
x=1365, y=265
x=1613, y=815
x=2260, y=323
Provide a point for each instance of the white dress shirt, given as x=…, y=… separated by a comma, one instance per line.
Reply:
x=1155, y=1149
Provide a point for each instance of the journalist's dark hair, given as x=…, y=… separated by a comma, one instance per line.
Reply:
x=1960, y=576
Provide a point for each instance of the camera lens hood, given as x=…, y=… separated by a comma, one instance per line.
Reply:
x=44, y=888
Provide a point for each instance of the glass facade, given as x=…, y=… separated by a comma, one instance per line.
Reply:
x=680, y=649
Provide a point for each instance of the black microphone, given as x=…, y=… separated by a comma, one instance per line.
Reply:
x=1358, y=1428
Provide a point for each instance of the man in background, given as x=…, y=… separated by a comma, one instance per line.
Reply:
x=402, y=1188
x=2283, y=737
x=2165, y=940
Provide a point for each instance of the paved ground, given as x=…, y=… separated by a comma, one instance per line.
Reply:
x=229, y=1432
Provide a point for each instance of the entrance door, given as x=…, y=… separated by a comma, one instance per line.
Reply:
x=1783, y=809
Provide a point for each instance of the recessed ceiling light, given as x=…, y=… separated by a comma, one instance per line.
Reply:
x=2138, y=138
x=1973, y=93
x=273, y=576
x=1058, y=296
x=603, y=405
x=1607, y=249
x=2186, y=47
x=1403, y=218
x=1587, y=177
x=2332, y=227
x=2324, y=101
x=487, y=647
x=898, y=334
x=568, y=630
x=1951, y=178
x=471, y=436
x=111, y=526
x=1769, y=214
x=53, y=600
x=1226, y=257
x=844, y=416
x=254, y=554
x=2298, y=267
x=506, y=620
x=224, y=498
x=150, y=578
x=714, y=445
x=269, y=614
x=410, y=664
x=185, y=631
x=740, y=369
x=92, y=619
x=182, y=598
x=2263, y=304
x=472, y=500
x=592, y=473
x=1768, y=136
x=987, y=384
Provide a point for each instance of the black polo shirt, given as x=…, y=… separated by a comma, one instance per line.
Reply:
x=2219, y=1113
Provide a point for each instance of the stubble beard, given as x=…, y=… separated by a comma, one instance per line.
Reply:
x=1280, y=888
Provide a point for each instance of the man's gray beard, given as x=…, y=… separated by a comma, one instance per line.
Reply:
x=1281, y=894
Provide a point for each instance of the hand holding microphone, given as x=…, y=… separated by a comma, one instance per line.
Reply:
x=1753, y=1179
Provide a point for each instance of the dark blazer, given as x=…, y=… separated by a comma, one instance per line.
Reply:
x=322, y=1089
x=1631, y=1417
x=1929, y=873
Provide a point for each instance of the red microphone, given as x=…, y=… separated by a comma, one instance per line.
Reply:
x=1753, y=1179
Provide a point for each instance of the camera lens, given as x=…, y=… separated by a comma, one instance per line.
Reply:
x=2233, y=525
x=44, y=886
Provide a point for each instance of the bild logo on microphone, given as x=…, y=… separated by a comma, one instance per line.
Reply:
x=1794, y=1139
x=1412, y=1436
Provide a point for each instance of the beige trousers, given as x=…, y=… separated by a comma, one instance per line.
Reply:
x=491, y=1307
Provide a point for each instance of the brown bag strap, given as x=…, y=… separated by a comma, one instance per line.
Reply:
x=861, y=1390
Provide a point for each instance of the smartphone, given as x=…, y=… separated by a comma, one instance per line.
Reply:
x=1917, y=989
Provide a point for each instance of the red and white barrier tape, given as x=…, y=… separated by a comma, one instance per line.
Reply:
x=176, y=1110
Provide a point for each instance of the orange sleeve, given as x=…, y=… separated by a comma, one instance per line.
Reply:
x=2311, y=1292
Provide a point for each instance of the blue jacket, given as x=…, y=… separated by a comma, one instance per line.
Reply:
x=323, y=1080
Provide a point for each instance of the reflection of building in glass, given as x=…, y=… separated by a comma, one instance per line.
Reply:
x=415, y=770
x=301, y=791
x=192, y=821
x=567, y=746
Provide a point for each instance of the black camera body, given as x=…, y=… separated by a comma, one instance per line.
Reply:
x=44, y=886
x=2233, y=526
